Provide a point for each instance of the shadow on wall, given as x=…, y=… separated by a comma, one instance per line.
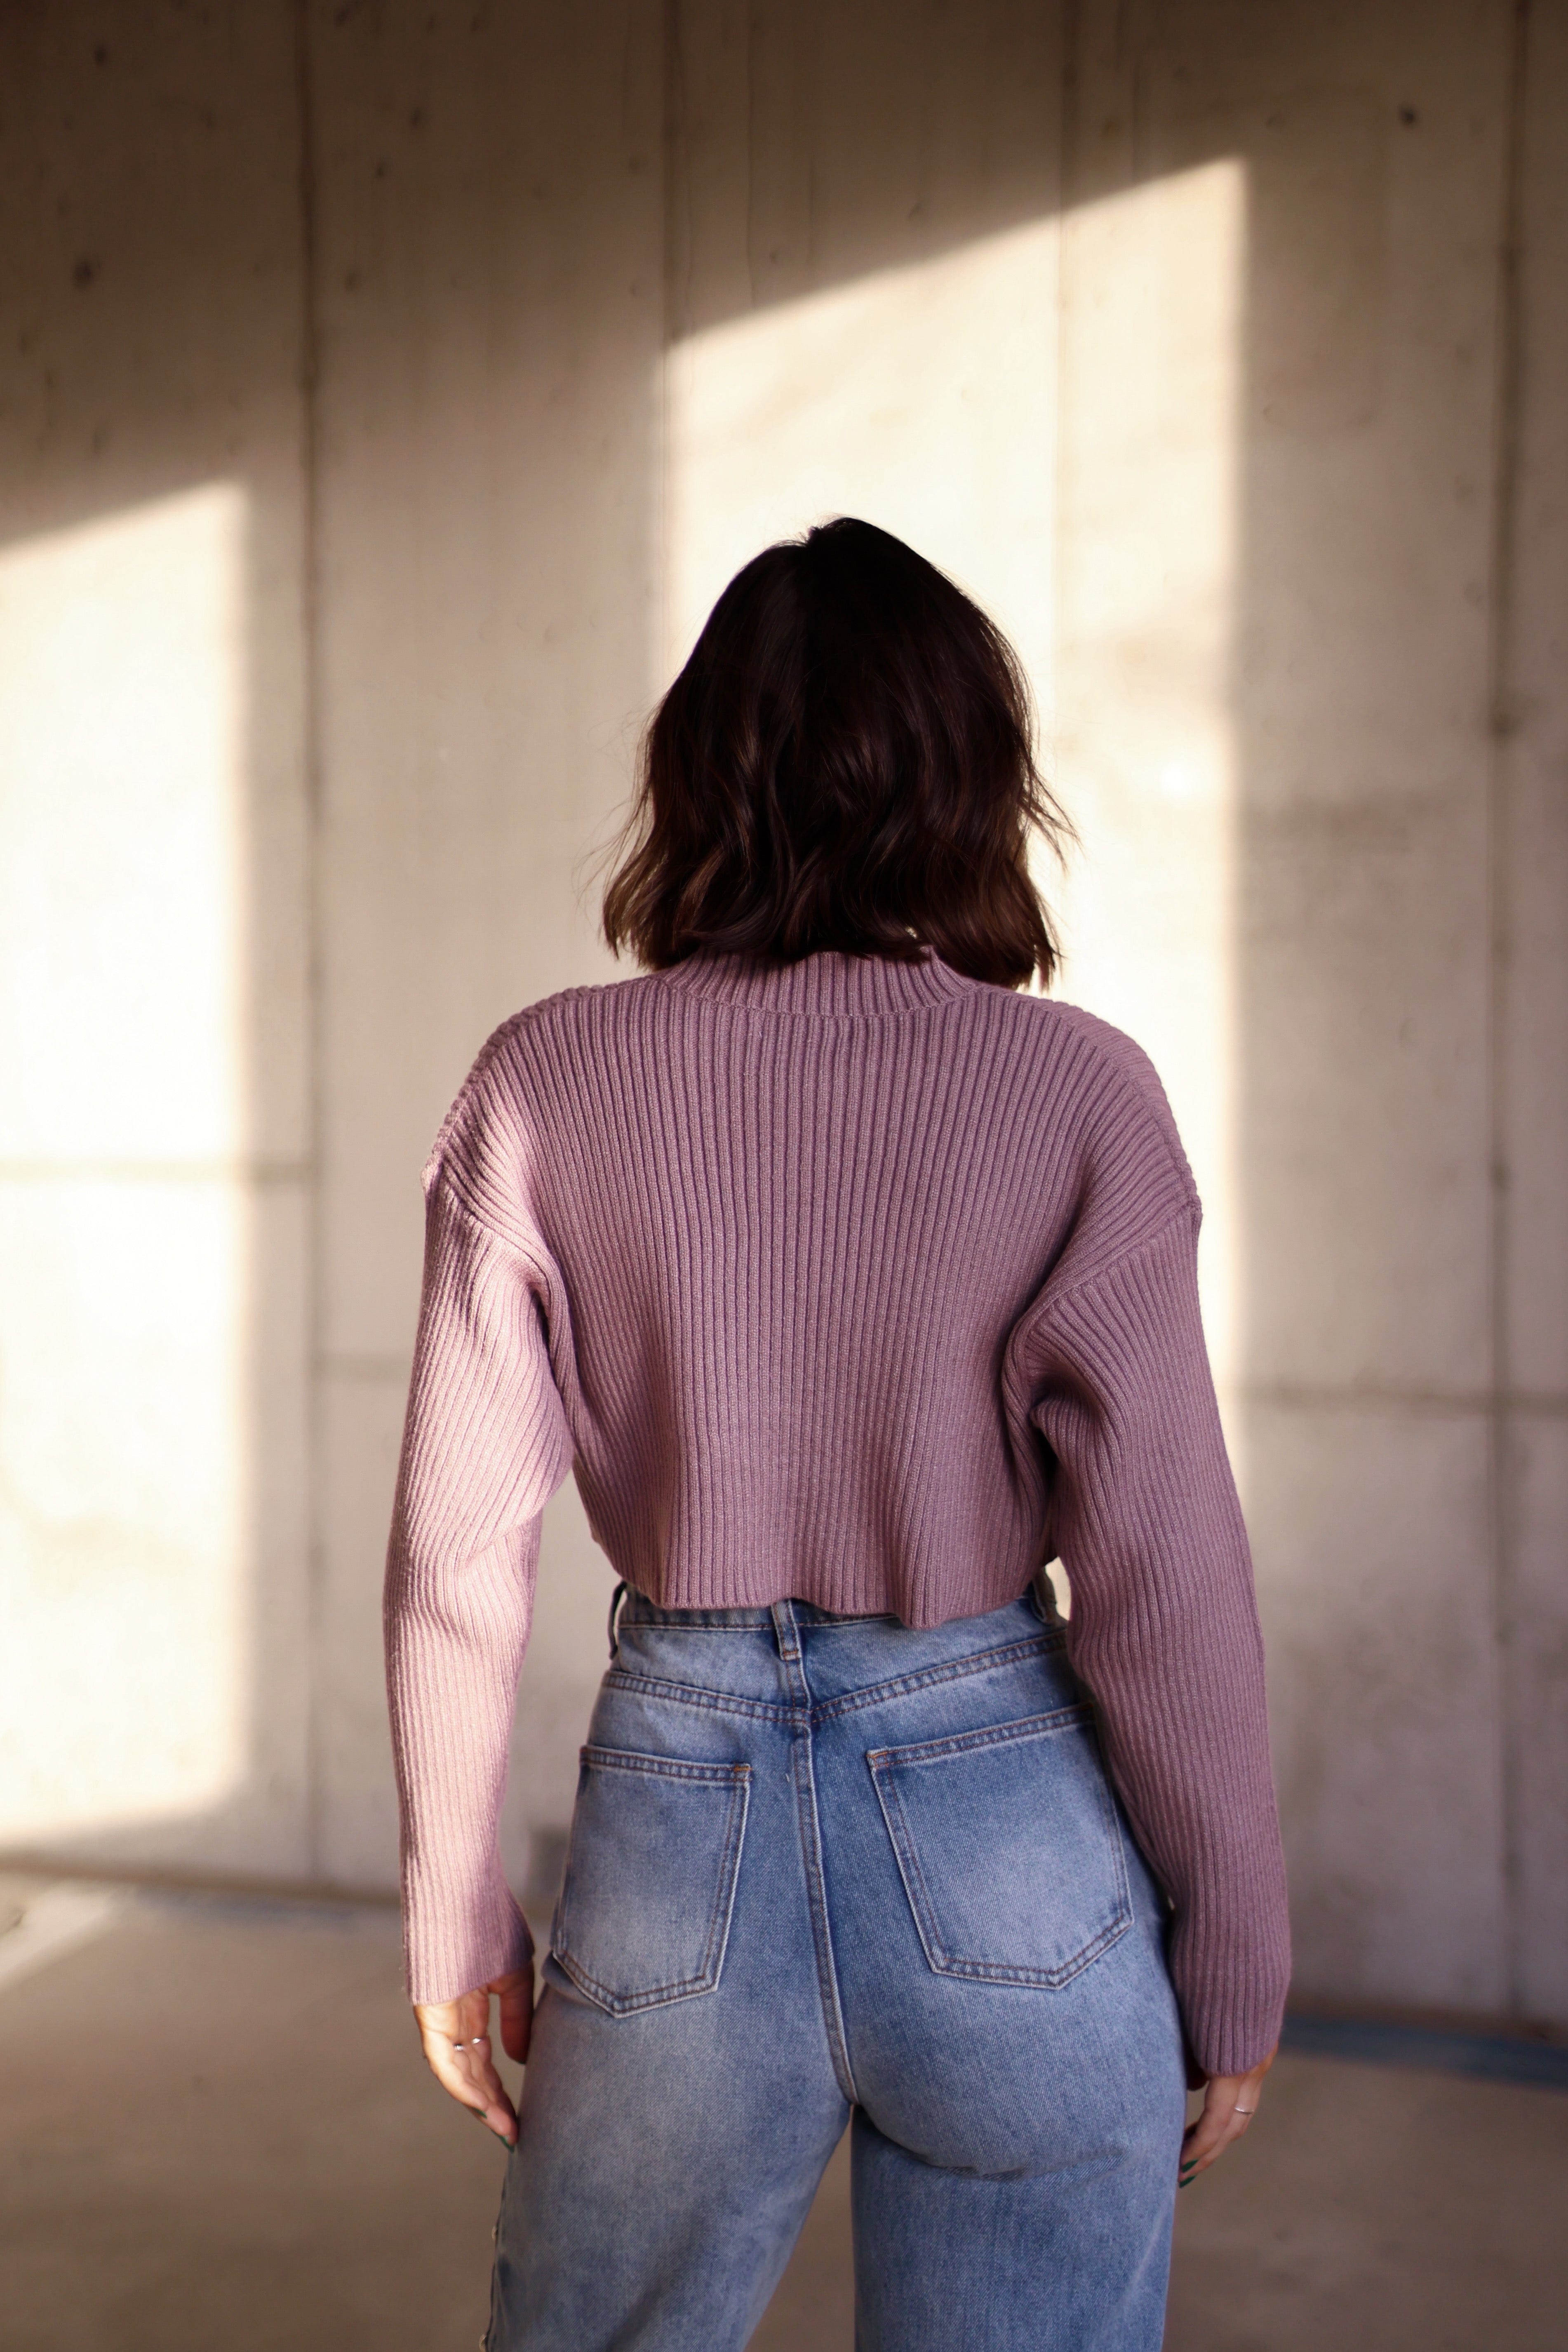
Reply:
x=393, y=390
x=154, y=1171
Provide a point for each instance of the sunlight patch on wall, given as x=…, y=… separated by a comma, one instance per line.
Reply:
x=124, y=1224
x=1143, y=746
x=919, y=398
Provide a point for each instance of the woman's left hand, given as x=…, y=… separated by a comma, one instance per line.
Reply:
x=456, y=2039
x=1230, y=2102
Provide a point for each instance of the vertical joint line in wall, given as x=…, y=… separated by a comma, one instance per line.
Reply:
x=1501, y=723
x=1068, y=110
x=311, y=748
x=1068, y=125
x=677, y=187
x=752, y=38
x=676, y=263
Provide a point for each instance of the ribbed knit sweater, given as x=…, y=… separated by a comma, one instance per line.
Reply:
x=855, y=1282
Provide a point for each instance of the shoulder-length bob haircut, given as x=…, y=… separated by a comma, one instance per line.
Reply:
x=846, y=761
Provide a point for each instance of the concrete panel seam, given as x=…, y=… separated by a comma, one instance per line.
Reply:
x=310, y=604
x=1508, y=408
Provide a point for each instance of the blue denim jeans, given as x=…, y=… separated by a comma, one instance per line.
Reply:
x=829, y=1869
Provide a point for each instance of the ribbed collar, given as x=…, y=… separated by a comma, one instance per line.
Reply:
x=829, y=981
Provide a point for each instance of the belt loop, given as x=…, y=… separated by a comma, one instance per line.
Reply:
x=786, y=1632
x=617, y=1597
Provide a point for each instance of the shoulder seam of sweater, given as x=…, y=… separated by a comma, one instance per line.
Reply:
x=444, y=1182
x=1110, y=1068
x=505, y=1034
x=1187, y=1212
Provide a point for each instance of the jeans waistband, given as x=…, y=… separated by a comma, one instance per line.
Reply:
x=630, y=1607
x=637, y=1608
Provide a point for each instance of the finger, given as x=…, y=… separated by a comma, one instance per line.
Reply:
x=1205, y=2139
x=499, y=2113
x=467, y=2070
x=1229, y=2106
x=454, y=2034
x=455, y=2038
x=451, y=2065
x=442, y=2022
x=1204, y=2146
x=517, y=2017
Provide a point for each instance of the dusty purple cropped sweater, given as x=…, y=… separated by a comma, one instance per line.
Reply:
x=853, y=1281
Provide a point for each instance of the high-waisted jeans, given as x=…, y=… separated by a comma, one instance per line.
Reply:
x=829, y=1868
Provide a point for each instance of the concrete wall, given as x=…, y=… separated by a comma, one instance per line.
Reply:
x=392, y=388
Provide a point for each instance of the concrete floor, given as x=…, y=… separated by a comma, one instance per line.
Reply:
x=216, y=2131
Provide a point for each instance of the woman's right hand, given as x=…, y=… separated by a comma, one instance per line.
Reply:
x=1230, y=2102
x=456, y=2039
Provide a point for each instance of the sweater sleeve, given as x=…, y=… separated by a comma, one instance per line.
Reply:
x=1163, y=1629
x=485, y=1445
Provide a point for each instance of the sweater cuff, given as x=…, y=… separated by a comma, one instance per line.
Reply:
x=1231, y=1993
x=446, y=1956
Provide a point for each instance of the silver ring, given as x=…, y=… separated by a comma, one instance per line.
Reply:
x=1244, y=2111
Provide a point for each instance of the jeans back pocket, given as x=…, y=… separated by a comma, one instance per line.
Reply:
x=645, y=1906
x=1009, y=1847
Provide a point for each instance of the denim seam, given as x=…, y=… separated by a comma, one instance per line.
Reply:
x=739, y=1777
x=792, y=1667
x=987, y=1734
x=821, y=1936
x=881, y=1761
x=668, y=1767
x=981, y=1661
x=692, y=1695
x=750, y=1621
x=756, y=1620
x=759, y=1710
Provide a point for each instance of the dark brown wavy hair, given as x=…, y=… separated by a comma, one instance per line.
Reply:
x=844, y=761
